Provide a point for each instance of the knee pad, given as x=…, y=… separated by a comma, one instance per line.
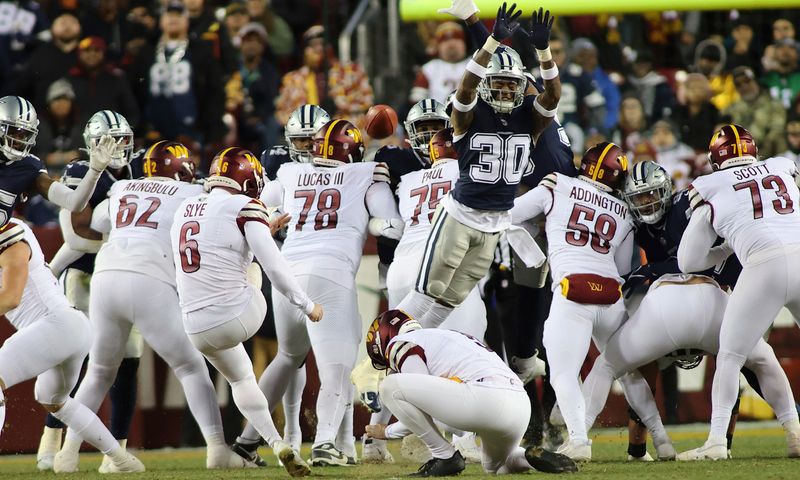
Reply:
x=185, y=369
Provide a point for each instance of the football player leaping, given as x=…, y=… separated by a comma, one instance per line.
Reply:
x=753, y=205
x=138, y=258
x=494, y=126
x=21, y=172
x=214, y=237
x=51, y=341
x=589, y=234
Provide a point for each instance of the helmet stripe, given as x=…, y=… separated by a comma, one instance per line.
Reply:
x=108, y=118
x=328, y=136
x=600, y=160
x=738, y=140
x=21, y=106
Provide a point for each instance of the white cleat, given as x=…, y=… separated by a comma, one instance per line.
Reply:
x=793, y=444
x=468, y=447
x=128, y=464
x=645, y=458
x=66, y=461
x=577, y=450
x=49, y=445
x=713, y=449
x=666, y=452
x=414, y=449
x=105, y=465
x=220, y=457
x=291, y=460
x=375, y=451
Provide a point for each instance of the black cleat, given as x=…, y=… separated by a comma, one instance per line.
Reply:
x=438, y=467
x=549, y=462
x=249, y=451
x=327, y=455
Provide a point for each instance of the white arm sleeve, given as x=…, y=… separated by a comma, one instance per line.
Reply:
x=74, y=200
x=694, y=252
x=74, y=240
x=380, y=201
x=624, y=255
x=272, y=194
x=63, y=259
x=101, y=219
x=275, y=266
x=532, y=204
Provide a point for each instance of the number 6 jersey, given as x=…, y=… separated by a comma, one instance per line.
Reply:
x=588, y=230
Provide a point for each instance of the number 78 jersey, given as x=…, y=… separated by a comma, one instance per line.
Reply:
x=754, y=207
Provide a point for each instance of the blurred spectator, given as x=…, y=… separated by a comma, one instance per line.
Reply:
x=695, y=115
x=710, y=61
x=782, y=29
x=258, y=129
x=662, y=31
x=103, y=19
x=23, y=23
x=236, y=17
x=98, y=85
x=764, y=116
x=203, y=26
x=784, y=80
x=279, y=35
x=676, y=157
x=440, y=76
x=743, y=51
x=178, y=85
x=50, y=61
x=342, y=89
x=644, y=151
x=582, y=106
x=632, y=123
x=651, y=87
x=141, y=26
x=793, y=139
x=60, y=132
x=584, y=53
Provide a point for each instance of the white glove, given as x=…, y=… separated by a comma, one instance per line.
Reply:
x=387, y=227
x=100, y=153
x=462, y=9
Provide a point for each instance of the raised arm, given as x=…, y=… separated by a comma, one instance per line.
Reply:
x=546, y=104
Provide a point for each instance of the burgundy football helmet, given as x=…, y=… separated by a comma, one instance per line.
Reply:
x=605, y=164
x=237, y=169
x=383, y=329
x=336, y=143
x=441, y=146
x=170, y=160
x=731, y=146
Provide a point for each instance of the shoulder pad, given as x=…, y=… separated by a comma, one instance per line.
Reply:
x=381, y=173
x=695, y=199
x=549, y=181
x=10, y=233
x=278, y=150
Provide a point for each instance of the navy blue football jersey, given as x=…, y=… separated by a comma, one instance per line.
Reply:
x=16, y=179
x=660, y=243
x=552, y=153
x=400, y=162
x=272, y=159
x=493, y=156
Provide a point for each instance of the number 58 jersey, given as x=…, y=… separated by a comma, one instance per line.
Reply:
x=754, y=207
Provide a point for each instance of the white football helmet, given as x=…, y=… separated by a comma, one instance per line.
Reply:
x=648, y=192
x=426, y=110
x=503, y=66
x=19, y=126
x=108, y=122
x=303, y=123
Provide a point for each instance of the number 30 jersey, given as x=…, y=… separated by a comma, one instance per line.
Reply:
x=754, y=207
x=587, y=229
x=141, y=214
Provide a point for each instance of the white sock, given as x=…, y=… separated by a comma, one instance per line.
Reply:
x=334, y=387
x=85, y=424
x=724, y=391
x=416, y=304
x=292, y=402
x=791, y=426
x=251, y=402
x=345, y=441
x=51, y=440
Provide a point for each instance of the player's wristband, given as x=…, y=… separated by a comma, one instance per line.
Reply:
x=491, y=44
x=549, y=73
x=476, y=69
x=543, y=111
x=463, y=107
x=544, y=55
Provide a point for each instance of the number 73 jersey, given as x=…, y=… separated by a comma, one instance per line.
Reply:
x=754, y=207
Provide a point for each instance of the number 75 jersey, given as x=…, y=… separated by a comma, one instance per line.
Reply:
x=754, y=207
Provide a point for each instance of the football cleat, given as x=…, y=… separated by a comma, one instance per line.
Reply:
x=327, y=455
x=49, y=445
x=468, y=447
x=291, y=460
x=367, y=381
x=644, y=458
x=375, y=451
x=66, y=461
x=220, y=457
x=713, y=449
x=580, y=451
x=129, y=464
x=792, y=444
x=665, y=451
x=249, y=452
x=549, y=462
x=441, y=467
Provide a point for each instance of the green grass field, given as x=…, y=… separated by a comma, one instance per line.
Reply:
x=758, y=454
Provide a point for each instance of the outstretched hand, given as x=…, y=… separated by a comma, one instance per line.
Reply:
x=506, y=22
x=461, y=9
x=541, y=25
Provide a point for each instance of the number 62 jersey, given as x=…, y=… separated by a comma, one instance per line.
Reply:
x=588, y=230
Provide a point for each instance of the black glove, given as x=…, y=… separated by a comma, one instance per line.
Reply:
x=637, y=278
x=541, y=24
x=506, y=23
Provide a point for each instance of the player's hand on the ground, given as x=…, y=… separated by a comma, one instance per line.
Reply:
x=462, y=9
x=541, y=25
x=636, y=279
x=316, y=313
x=100, y=152
x=376, y=431
x=278, y=223
x=506, y=23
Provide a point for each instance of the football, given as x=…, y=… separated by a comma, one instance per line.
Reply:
x=381, y=121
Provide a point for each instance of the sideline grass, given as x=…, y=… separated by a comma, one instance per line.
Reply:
x=759, y=452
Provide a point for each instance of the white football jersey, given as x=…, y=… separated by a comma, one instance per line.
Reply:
x=42, y=295
x=451, y=354
x=211, y=257
x=141, y=214
x=754, y=207
x=419, y=193
x=443, y=77
x=326, y=234
x=585, y=227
